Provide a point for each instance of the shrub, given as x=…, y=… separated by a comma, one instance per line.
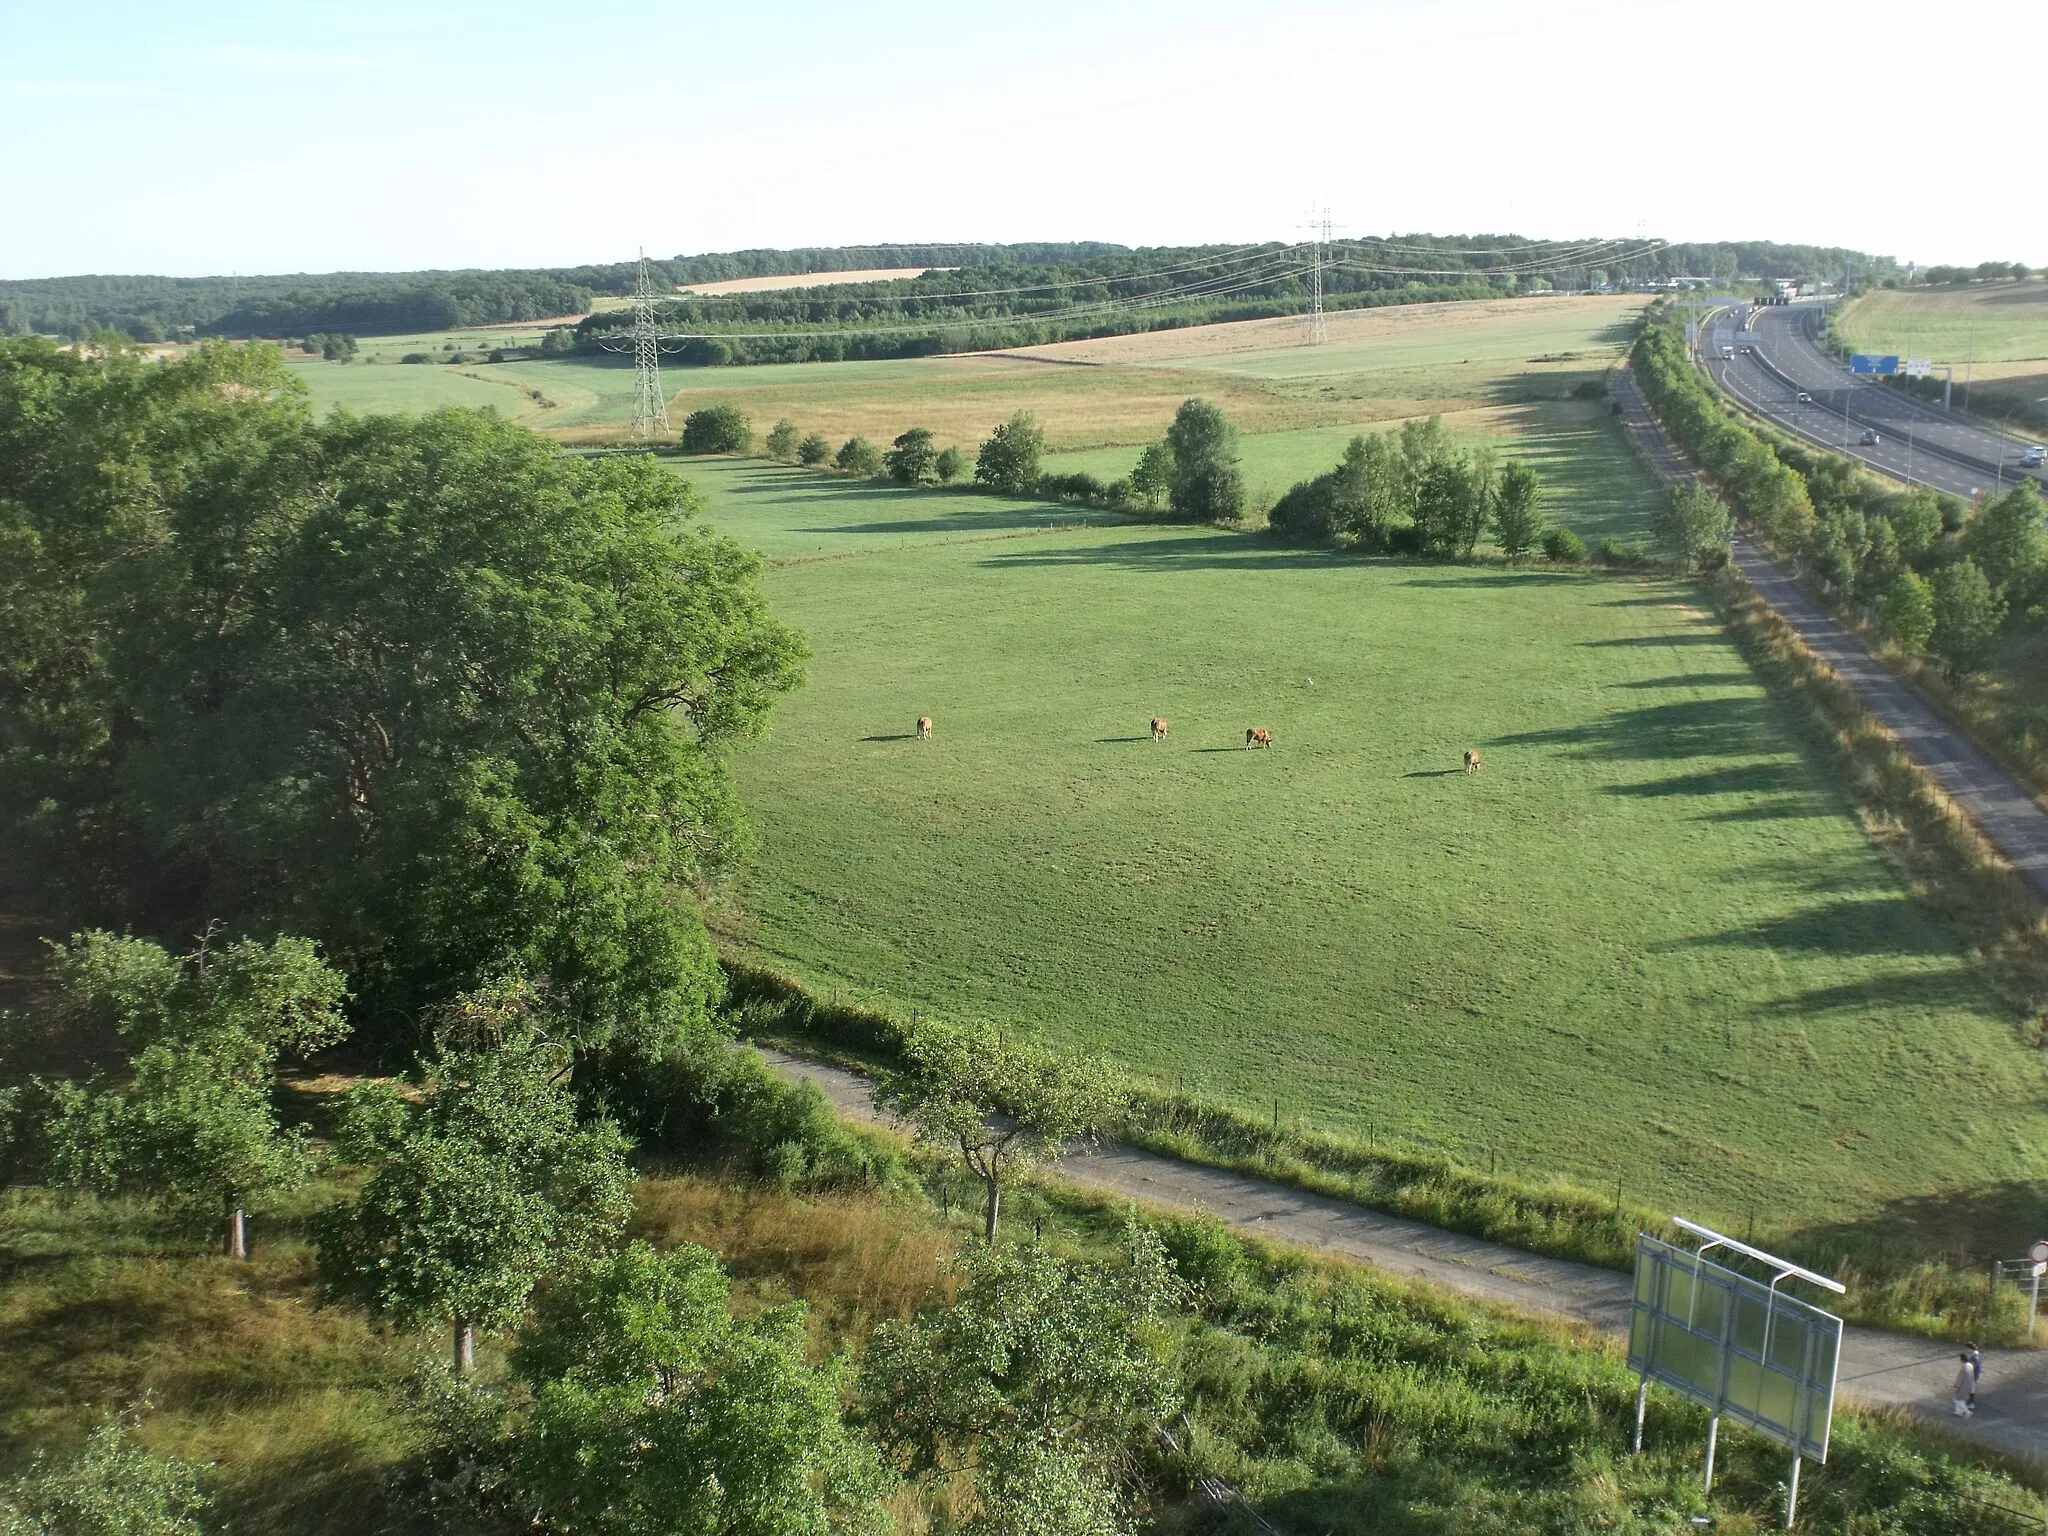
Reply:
x=948, y=465
x=858, y=456
x=1562, y=544
x=911, y=459
x=557, y=340
x=782, y=441
x=497, y=354
x=1590, y=389
x=1307, y=513
x=1078, y=486
x=706, y=352
x=414, y=357
x=717, y=429
x=813, y=450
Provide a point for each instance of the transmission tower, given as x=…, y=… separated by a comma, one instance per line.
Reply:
x=1317, y=335
x=650, y=405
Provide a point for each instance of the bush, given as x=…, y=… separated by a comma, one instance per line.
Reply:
x=414, y=357
x=782, y=441
x=1561, y=544
x=557, y=340
x=858, y=456
x=1590, y=389
x=706, y=352
x=911, y=459
x=717, y=429
x=948, y=465
x=813, y=450
x=1307, y=514
x=1611, y=551
x=1075, y=487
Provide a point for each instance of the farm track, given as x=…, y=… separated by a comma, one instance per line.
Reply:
x=1879, y=1370
x=2008, y=816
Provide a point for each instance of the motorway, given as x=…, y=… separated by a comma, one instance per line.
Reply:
x=1777, y=359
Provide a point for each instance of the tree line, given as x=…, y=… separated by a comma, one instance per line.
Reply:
x=1937, y=577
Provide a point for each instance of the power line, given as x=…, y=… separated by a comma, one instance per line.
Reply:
x=1317, y=333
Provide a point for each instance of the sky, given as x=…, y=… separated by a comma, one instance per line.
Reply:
x=209, y=137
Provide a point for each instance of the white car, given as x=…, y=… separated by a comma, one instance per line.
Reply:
x=1803, y=398
x=2033, y=457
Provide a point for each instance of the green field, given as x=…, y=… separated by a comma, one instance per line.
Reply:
x=2002, y=322
x=1649, y=937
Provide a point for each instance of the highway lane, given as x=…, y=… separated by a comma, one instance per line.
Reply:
x=1777, y=359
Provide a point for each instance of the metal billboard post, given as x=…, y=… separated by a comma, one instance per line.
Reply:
x=1736, y=1345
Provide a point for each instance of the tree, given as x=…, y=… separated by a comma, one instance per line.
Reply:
x=1967, y=613
x=1518, y=511
x=110, y=1488
x=1907, y=609
x=2009, y=542
x=428, y=691
x=912, y=460
x=1152, y=476
x=557, y=340
x=1695, y=525
x=948, y=464
x=1916, y=519
x=999, y=1105
x=717, y=429
x=1046, y=1377
x=1450, y=507
x=813, y=450
x=1373, y=494
x=489, y=1185
x=782, y=441
x=858, y=456
x=1206, y=484
x=195, y=1127
x=651, y=1409
x=1008, y=460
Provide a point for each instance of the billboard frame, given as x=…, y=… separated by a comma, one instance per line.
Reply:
x=1654, y=1330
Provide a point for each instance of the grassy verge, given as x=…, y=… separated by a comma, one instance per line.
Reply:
x=1894, y=1281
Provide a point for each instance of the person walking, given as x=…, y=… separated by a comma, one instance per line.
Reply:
x=1976, y=1372
x=1965, y=1387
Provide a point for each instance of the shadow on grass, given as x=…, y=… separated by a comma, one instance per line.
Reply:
x=1685, y=637
x=1118, y=741
x=1200, y=552
x=1749, y=779
x=899, y=736
x=1876, y=925
x=1975, y=1225
x=1693, y=680
x=1434, y=773
x=1684, y=728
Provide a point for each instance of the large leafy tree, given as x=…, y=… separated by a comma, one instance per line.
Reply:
x=1008, y=460
x=650, y=1408
x=1694, y=524
x=485, y=1186
x=1518, y=511
x=430, y=691
x=1907, y=609
x=1967, y=613
x=1044, y=1377
x=2009, y=542
x=999, y=1105
x=1206, y=485
x=911, y=459
x=194, y=1126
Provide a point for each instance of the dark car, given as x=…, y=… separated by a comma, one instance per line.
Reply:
x=1803, y=398
x=1870, y=438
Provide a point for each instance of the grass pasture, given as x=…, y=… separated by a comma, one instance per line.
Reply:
x=2002, y=322
x=1649, y=939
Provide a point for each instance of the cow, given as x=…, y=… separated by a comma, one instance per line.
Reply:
x=1258, y=736
x=1471, y=761
x=1158, y=729
x=924, y=727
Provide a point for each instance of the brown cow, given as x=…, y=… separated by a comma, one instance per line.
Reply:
x=924, y=727
x=1258, y=736
x=1471, y=761
x=1158, y=729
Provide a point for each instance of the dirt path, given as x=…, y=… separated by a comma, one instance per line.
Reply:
x=2010, y=818
x=1878, y=1370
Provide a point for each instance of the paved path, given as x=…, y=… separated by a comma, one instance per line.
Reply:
x=2009, y=817
x=1879, y=1370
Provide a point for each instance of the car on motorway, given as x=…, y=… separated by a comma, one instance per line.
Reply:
x=2034, y=457
x=1870, y=437
x=1728, y=352
x=1803, y=398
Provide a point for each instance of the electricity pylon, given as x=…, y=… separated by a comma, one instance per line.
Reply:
x=1317, y=335
x=650, y=405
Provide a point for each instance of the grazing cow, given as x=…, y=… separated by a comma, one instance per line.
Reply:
x=1258, y=736
x=1471, y=761
x=924, y=728
x=1158, y=729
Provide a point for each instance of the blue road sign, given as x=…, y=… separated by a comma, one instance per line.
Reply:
x=1866, y=362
